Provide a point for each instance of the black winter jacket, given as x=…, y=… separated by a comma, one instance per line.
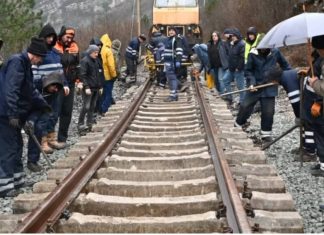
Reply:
x=236, y=56
x=90, y=73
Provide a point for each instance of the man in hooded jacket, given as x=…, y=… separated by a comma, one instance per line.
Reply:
x=235, y=65
x=51, y=64
x=110, y=73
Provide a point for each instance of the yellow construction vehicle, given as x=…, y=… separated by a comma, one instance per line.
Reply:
x=182, y=14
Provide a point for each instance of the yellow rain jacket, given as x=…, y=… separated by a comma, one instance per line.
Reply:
x=108, y=62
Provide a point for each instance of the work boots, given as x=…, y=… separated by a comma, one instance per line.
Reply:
x=51, y=138
x=47, y=149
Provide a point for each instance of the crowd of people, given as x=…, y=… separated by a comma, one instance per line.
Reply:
x=38, y=87
x=232, y=59
x=37, y=93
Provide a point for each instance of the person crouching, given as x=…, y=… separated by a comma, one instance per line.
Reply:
x=92, y=86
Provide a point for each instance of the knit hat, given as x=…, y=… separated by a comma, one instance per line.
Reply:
x=92, y=48
x=116, y=44
x=37, y=47
x=318, y=42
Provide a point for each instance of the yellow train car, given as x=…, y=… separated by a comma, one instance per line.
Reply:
x=183, y=14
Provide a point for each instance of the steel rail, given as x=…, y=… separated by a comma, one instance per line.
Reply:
x=46, y=214
x=235, y=212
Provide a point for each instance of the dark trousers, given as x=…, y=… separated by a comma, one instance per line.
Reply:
x=107, y=95
x=40, y=130
x=309, y=139
x=267, y=111
x=89, y=104
x=11, y=168
x=65, y=109
x=319, y=139
x=131, y=66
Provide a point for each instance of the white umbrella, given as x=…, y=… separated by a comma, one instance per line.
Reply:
x=295, y=30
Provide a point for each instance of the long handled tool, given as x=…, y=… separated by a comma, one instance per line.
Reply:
x=280, y=136
x=32, y=135
x=248, y=89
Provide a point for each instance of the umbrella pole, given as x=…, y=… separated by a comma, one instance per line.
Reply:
x=301, y=125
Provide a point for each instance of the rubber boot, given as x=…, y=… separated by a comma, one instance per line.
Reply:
x=47, y=149
x=51, y=138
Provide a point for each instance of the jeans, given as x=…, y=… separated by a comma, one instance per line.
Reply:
x=240, y=83
x=267, y=111
x=65, y=109
x=218, y=74
x=107, y=95
x=89, y=104
x=173, y=82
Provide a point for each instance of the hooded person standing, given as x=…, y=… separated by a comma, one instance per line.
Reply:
x=69, y=52
x=90, y=77
x=18, y=99
x=110, y=73
x=251, y=41
x=235, y=65
x=51, y=64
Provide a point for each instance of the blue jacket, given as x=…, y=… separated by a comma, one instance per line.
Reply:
x=257, y=66
x=202, y=52
x=173, y=50
x=18, y=96
x=133, y=49
x=290, y=82
x=51, y=63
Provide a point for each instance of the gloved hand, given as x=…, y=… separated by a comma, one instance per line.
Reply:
x=252, y=89
x=14, y=123
x=80, y=85
x=100, y=91
x=29, y=127
x=177, y=64
x=66, y=91
x=88, y=91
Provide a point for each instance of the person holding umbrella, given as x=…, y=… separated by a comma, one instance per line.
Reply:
x=313, y=103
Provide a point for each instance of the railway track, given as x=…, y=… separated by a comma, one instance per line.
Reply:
x=177, y=167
